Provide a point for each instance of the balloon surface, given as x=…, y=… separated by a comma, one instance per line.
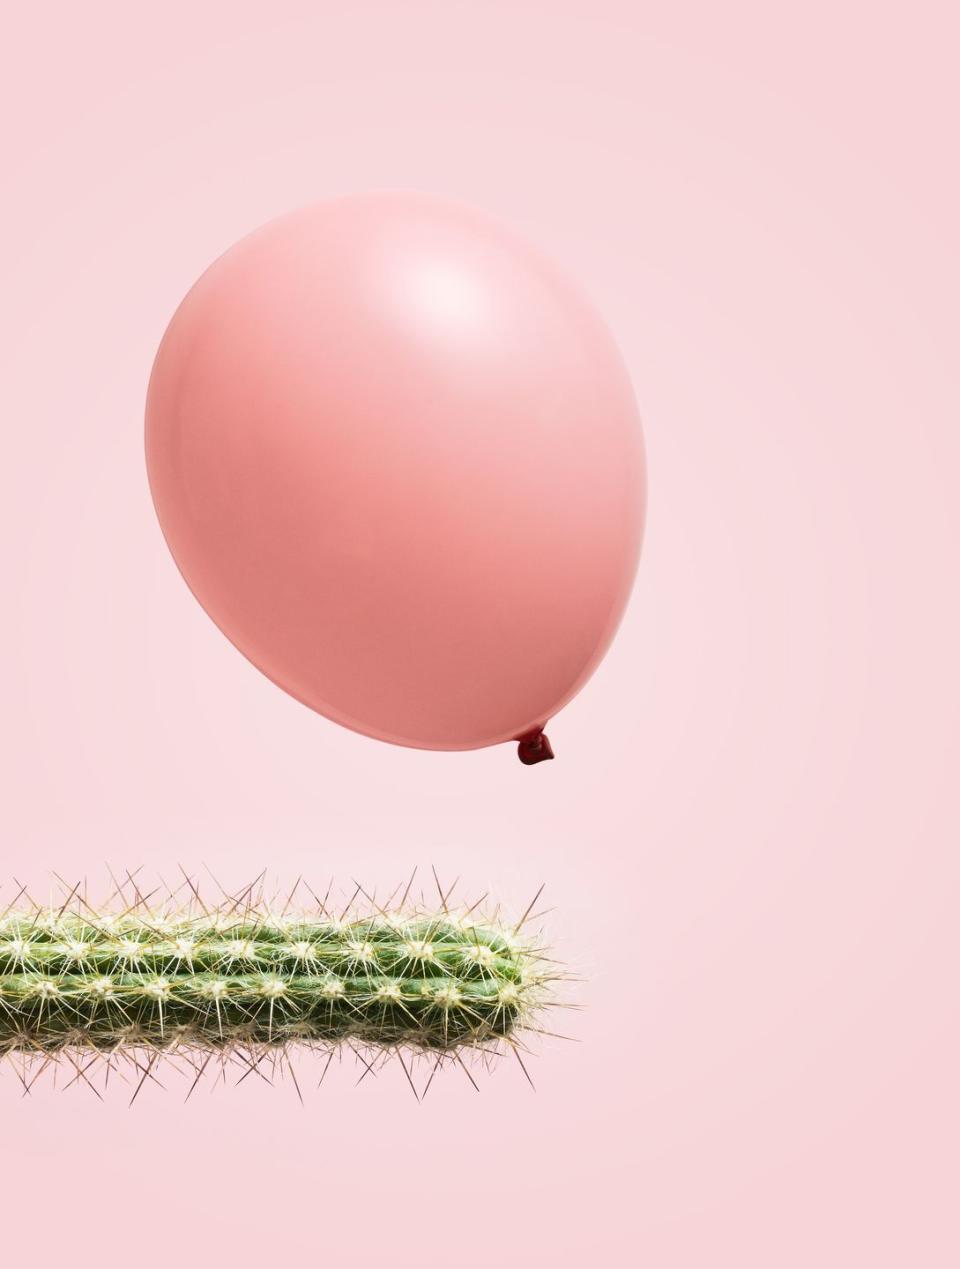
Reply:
x=397, y=458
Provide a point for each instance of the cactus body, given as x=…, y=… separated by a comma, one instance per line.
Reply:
x=208, y=982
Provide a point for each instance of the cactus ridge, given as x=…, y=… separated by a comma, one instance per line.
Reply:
x=243, y=982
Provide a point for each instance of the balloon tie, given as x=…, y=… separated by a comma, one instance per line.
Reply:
x=533, y=747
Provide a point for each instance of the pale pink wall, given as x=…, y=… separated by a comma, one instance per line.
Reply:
x=750, y=833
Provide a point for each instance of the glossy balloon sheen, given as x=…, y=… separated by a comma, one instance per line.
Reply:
x=396, y=456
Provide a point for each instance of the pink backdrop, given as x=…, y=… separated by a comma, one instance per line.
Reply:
x=750, y=833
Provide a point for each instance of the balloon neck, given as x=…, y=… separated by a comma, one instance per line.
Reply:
x=533, y=746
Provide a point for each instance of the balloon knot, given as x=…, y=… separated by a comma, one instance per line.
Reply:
x=534, y=747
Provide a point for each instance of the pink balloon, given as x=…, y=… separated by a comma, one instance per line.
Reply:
x=397, y=458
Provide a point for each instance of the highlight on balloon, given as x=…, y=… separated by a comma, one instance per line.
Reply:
x=189, y=981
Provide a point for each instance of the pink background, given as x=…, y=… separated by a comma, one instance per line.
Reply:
x=750, y=833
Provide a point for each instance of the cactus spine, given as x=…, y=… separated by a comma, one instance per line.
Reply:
x=241, y=979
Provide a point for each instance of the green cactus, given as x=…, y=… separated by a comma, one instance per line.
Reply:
x=240, y=978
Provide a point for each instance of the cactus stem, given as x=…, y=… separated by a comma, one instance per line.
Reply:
x=246, y=984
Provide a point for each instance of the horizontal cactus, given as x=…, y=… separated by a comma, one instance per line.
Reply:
x=244, y=981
